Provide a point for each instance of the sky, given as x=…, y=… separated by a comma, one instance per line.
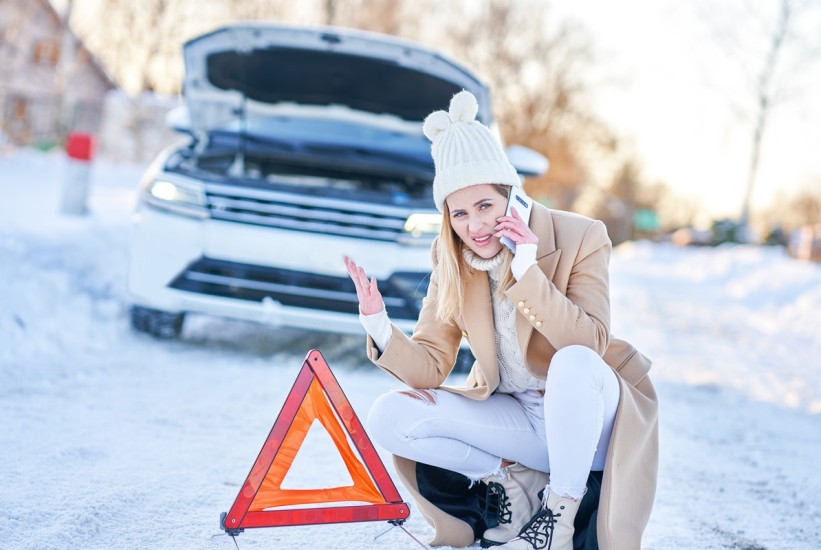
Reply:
x=676, y=101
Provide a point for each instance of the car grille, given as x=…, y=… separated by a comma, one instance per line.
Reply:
x=302, y=212
x=402, y=292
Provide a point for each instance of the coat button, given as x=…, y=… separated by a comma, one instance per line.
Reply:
x=532, y=317
x=526, y=310
x=538, y=323
x=521, y=304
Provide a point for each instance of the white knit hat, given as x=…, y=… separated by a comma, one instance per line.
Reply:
x=464, y=151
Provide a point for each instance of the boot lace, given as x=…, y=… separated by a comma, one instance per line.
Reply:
x=538, y=532
x=503, y=511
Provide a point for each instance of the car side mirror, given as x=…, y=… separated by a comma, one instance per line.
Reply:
x=526, y=161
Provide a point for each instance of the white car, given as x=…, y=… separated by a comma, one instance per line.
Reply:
x=306, y=144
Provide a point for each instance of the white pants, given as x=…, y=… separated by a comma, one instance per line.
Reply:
x=566, y=433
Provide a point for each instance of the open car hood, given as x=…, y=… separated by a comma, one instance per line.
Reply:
x=261, y=69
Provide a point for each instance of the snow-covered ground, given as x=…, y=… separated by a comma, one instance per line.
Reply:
x=112, y=439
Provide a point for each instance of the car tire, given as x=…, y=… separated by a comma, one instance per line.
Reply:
x=159, y=324
x=464, y=360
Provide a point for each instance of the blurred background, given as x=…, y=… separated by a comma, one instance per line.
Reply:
x=694, y=122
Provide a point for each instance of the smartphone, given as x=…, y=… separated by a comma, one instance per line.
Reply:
x=523, y=205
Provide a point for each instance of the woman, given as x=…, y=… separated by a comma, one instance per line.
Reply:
x=551, y=396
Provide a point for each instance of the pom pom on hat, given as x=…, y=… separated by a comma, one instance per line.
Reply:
x=436, y=122
x=464, y=150
x=463, y=107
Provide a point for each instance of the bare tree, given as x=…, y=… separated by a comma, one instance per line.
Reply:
x=790, y=211
x=628, y=193
x=133, y=39
x=805, y=206
x=538, y=69
x=140, y=43
x=330, y=12
x=773, y=51
x=252, y=10
x=764, y=93
x=395, y=17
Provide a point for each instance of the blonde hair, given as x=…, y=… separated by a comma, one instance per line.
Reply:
x=451, y=266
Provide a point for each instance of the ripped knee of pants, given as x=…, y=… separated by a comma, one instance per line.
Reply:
x=428, y=397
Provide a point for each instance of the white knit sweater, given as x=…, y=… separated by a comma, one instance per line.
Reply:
x=514, y=375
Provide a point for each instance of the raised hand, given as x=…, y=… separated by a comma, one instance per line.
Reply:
x=370, y=299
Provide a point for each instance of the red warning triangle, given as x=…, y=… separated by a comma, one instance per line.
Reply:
x=262, y=502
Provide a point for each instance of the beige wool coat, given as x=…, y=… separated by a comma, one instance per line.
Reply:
x=563, y=300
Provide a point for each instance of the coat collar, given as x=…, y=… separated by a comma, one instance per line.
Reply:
x=541, y=222
x=547, y=254
x=477, y=309
x=547, y=258
x=477, y=315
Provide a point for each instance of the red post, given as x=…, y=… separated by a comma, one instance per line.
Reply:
x=80, y=152
x=80, y=146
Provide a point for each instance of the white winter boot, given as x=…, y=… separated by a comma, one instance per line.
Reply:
x=517, y=491
x=551, y=528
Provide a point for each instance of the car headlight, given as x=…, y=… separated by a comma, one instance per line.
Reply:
x=421, y=228
x=187, y=200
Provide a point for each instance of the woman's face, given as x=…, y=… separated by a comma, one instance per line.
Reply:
x=473, y=212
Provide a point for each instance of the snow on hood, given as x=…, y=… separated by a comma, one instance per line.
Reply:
x=269, y=69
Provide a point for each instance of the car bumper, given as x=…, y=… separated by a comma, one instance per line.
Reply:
x=276, y=277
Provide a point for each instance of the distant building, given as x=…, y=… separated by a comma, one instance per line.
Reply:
x=43, y=93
